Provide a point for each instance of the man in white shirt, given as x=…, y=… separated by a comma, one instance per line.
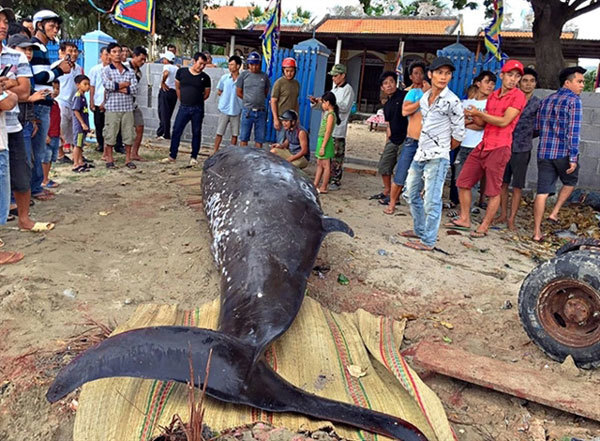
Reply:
x=97, y=96
x=167, y=96
x=442, y=130
x=67, y=51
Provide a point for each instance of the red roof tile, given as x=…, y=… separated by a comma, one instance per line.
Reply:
x=224, y=16
x=391, y=25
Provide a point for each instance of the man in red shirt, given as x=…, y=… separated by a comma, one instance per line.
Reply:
x=490, y=157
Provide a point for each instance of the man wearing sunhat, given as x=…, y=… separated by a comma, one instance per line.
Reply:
x=490, y=157
x=442, y=130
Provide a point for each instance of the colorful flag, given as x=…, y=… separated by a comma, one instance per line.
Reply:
x=270, y=36
x=135, y=14
x=493, y=39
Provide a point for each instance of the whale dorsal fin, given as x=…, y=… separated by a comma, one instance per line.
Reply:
x=331, y=224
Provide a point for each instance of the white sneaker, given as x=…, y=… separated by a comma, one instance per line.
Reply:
x=160, y=138
x=193, y=162
x=167, y=160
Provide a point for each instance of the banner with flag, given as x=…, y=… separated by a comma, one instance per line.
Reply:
x=135, y=14
x=270, y=36
x=493, y=39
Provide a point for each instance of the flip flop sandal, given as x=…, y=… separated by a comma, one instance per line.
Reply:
x=89, y=165
x=553, y=221
x=409, y=233
x=377, y=196
x=111, y=165
x=40, y=227
x=51, y=184
x=453, y=226
x=131, y=165
x=10, y=218
x=478, y=234
x=43, y=197
x=1, y=243
x=10, y=257
x=419, y=246
x=540, y=240
x=384, y=201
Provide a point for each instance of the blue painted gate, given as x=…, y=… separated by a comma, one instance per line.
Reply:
x=53, y=50
x=467, y=67
x=306, y=63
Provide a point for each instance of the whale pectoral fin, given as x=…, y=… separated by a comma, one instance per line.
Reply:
x=161, y=353
x=331, y=224
x=269, y=391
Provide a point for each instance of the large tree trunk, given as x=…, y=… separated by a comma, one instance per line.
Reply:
x=549, y=20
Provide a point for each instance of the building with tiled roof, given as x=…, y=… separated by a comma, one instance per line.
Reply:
x=384, y=25
x=224, y=16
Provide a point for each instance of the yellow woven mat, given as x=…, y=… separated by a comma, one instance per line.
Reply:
x=313, y=354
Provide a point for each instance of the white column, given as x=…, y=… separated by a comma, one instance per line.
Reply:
x=338, y=51
x=232, y=45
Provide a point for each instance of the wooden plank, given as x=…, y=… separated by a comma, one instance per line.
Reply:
x=553, y=389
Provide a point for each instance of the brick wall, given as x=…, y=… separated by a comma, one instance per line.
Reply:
x=589, y=153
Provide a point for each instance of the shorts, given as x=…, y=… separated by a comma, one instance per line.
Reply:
x=115, y=121
x=138, y=117
x=329, y=148
x=388, y=159
x=4, y=186
x=301, y=162
x=224, y=119
x=79, y=139
x=517, y=169
x=66, y=121
x=490, y=163
x=409, y=148
x=20, y=167
x=253, y=118
x=549, y=170
x=52, y=150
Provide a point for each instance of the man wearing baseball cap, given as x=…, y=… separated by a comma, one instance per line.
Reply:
x=490, y=157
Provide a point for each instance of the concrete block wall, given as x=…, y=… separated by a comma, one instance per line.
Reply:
x=589, y=149
x=147, y=100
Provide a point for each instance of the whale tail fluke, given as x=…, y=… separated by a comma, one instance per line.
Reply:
x=331, y=224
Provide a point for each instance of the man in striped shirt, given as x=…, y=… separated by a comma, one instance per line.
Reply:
x=47, y=25
x=559, y=123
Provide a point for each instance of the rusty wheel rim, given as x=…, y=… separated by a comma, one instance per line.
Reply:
x=569, y=311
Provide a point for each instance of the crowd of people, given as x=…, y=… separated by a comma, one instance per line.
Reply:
x=485, y=141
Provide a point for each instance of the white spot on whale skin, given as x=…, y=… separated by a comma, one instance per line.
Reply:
x=259, y=294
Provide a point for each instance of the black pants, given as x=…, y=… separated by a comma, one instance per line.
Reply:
x=99, y=124
x=166, y=105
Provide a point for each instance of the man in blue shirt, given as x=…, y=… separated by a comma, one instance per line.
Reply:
x=559, y=124
x=230, y=105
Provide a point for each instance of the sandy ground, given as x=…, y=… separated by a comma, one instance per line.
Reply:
x=127, y=237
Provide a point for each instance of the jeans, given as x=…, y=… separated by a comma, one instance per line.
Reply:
x=27, y=131
x=256, y=118
x=427, y=211
x=99, y=123
x=52, y=150
x=185, y=114
x=409, y=148
x=4, y=186
x=167, y=100
x=38, y=144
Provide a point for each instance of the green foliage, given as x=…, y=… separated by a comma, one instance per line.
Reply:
x=255, y=15
x=590, y=80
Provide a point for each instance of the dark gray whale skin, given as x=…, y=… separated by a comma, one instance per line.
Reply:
x=267, y=227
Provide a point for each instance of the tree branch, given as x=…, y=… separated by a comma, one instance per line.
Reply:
x=593, y=5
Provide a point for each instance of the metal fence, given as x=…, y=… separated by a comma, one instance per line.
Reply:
x=53, y=50
x=468, y=67
x=306, y=62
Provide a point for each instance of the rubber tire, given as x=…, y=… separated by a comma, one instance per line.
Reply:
x=583, y=266
x=577, y=244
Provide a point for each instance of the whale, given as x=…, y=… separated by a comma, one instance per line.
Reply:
x=267, y=226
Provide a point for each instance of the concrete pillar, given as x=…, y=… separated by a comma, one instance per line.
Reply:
x=232, y=45
x=338, y=50
x=93, y=42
